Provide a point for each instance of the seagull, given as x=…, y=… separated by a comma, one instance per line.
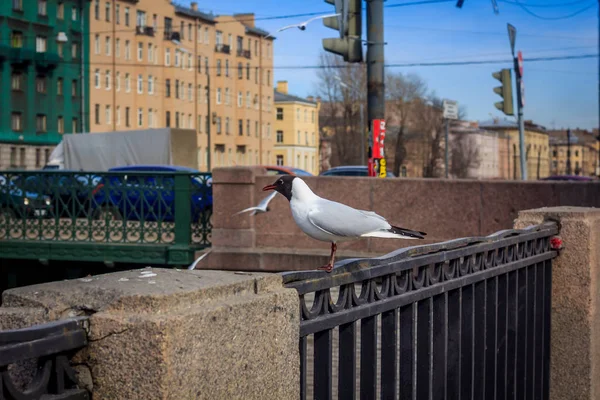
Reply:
x=333, y=222
x=193, y=265
x=262, y=207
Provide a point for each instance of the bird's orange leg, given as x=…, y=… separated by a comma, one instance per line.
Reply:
x=329, y=267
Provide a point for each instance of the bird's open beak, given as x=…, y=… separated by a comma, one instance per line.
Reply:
x=269, y=187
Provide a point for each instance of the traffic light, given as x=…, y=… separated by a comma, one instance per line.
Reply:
x=505, y=91
x=349, y=24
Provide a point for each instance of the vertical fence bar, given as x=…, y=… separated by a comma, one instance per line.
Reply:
x=323, y=365
x=467, y=337
x=347, y=361
x=439, y=332
x=547, y=327
x=479, y=335
x=521, y=355
x=407, y=359
x=490, y=337
x=368, y=358
x=423, y=339
x=183, y=213
x=302, y=346
x=511, y=341
x=501, y=336
x=539, y=332
x=529, y=347
x=453, y=348
x=389, y=364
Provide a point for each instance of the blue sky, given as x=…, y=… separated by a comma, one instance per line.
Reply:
x=558, y=93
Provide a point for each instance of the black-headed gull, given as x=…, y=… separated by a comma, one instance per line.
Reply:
x=262, y=207
x=329, y=221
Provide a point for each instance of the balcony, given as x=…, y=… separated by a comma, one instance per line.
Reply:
x=4, y=52
x=223, y=48
x=244, y=53
x=144, y=30
x=171, y=35
x=21, y=55
x=46, y=61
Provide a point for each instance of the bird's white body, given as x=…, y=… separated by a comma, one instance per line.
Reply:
x=329, y=221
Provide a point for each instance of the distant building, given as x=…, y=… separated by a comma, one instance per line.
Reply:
x=43, y=48
x=580, y=150
x=537, y=147
x=296, y=130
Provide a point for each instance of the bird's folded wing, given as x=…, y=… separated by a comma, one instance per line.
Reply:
x=340, y=220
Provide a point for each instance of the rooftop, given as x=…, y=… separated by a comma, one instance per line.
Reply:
x=288, y=98
x=194, y=13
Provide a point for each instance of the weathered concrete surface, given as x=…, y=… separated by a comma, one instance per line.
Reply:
x=169, y=334
x=575, y=343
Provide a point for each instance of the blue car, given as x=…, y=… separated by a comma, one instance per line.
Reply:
x=148, y=193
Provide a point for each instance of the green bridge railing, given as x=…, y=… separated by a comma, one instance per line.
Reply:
x=128, y=217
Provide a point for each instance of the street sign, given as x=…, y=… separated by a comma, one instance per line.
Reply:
x=520, y=63
x=512, y=36
x=450, y=109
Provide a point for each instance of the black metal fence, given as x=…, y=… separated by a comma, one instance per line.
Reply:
x=50, y=346
x=464, y=319
x=145, y=217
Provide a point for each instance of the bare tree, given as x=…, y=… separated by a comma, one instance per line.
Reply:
x=464, y=155
x=340, y=108
x=429, y=124
x=403, y=93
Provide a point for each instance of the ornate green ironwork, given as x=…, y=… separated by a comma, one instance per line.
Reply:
x=145, y=217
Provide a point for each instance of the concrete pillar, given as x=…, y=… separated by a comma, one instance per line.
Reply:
x=575, y=340
x=174, y=334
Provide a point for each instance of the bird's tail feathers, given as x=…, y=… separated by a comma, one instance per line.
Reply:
x=408, y=232
x=396, y=233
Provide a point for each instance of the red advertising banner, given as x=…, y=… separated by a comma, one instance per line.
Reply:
x=377, y=165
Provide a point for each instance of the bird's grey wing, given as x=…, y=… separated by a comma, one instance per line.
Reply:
x=248, y=209
x=344, y=221
x=265, y=202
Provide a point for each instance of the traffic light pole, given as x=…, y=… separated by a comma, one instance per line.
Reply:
x=521, y=122
x=375, y=66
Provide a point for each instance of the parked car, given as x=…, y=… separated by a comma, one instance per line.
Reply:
x=16, y=203
x=352, y=170
x=281, y=170
x=147, y=196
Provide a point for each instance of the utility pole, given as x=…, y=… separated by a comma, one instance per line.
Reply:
x=375, y=83
x=598, y=138
x=362, y=132
x=446, y=147
x=518, y=66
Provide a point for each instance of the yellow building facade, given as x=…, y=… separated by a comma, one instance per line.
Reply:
x=296, y=130
x=582, y=152
x=150, y=63
x=537, y=148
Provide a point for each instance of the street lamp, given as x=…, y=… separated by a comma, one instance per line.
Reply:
x=362, y=118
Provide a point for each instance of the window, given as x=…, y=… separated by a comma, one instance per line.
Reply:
x=140, y=84
x=118, y=115
x=107, y=80
x=97, y=114
x=279, y=136
x=189, y=31
x=298, y=142
x=150, y=84
x=74, y=87
x=97, y=9
x=107, y=115
x=305, y=115
x=248, y=71
x=59, y=49
x=218, y=95
x=17, y=121
x=40, y=84
x=127, y=83
x=127, y=114
x=42, y=8
x=177, y=58
x=140, y=118
x=16, y=39
x=190, y=123
x=140, y=52
x=218, y=67
x=240, y=127
x=240, y=99
x=256, y=128
x=150, y=118
x=576, y=153
x=240, y=71
x=168, y=119
x=297, y=114
x=268, y=78
x=167, y=57
x=199, y=34
x=40, y=123
x=140, y=18
x=279, y=160
x=74, y=14
x=40, y=44
x=227, y=131
x=190, y=92
x=182, y=30
x=219, y=38
x=117, y=14
x=17, y=81
x=248, y=101
x=176, y=119
x=97, y=44
x=74, y=50
x=227, y=68
x=150, y=53
x=59, y=86
x=306, y=138
x=247, y=127
x=206, y=65
x=206, y=36
x=168, y=88
x=38, y=157
x=227, y=99
x=17, y=5
x=127, y=50
x=218, y=125
x=312, y=116
x=22, y=151
x=60, y=11
x=127, y=17
x=107, y=11
x=97, y=78
x=279, y=114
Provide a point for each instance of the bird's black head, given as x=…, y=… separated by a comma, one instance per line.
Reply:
x=282, y=185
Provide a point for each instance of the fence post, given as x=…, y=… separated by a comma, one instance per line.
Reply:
x=181, y=252
x=575, y=331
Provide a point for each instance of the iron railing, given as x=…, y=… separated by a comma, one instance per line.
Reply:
x=50, y=346
x=464, y=319
x=147, y=217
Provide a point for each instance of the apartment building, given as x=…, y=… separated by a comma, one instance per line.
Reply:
x=155, y=64
x=296, y=130
x=43, y=47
